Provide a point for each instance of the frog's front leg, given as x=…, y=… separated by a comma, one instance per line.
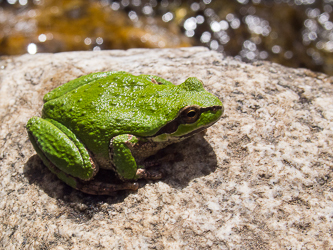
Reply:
x=123, y=161
x=67, y=157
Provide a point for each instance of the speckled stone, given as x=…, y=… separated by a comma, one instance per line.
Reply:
x=261, y=178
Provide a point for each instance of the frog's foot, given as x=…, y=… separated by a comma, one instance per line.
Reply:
x=149, y=174
x=103, y=188
x=61, y=151
x=92, y=187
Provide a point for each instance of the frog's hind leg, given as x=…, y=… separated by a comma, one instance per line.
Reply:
x=93, y=187
x=61, y=151
x=66, y=157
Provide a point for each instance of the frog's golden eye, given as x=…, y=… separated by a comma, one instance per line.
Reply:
x=190, y=114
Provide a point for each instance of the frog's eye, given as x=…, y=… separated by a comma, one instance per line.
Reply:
x=190, y=114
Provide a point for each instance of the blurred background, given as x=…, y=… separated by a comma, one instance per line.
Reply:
x=295, y=33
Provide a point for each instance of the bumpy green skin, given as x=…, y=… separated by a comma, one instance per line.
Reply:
x=123, y=160
x=83, y=116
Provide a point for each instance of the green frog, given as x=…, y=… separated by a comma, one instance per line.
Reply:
x=116, y=120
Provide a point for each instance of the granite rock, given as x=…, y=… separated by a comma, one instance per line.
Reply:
x=261, y=178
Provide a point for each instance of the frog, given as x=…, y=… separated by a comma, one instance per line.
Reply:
x=115, y=121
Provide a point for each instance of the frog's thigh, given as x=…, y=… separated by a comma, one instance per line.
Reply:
x=58, y=146
x=121, y=156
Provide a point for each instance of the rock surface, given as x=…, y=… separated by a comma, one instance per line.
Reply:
x=261, y=178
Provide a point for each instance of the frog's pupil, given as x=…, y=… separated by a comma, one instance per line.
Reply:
x=191, y=113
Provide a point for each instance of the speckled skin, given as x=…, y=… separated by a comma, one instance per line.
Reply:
x=81, y=118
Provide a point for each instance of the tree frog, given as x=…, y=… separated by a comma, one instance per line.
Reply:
x=115, y=120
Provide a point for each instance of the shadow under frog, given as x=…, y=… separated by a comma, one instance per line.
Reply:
x=180, y=163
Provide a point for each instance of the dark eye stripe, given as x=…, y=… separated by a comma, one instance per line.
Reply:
x=184, y=118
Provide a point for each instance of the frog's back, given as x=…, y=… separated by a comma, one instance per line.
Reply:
x=114, y=101
x=123, y=78
x=109, y=91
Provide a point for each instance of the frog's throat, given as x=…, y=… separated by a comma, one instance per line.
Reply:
x=173, y=125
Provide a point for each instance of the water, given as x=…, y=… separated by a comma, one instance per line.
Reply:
x=295, y=33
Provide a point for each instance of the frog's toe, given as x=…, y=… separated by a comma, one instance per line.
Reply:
x=149, y=174
x=103, y=188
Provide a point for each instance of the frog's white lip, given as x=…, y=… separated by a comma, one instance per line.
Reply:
x=197, y=130
x=173, y=125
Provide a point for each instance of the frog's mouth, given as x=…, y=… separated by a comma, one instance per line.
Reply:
x=197, y=130
x=188, y=115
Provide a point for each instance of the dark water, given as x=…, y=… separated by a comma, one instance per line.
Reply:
x=295, y=33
